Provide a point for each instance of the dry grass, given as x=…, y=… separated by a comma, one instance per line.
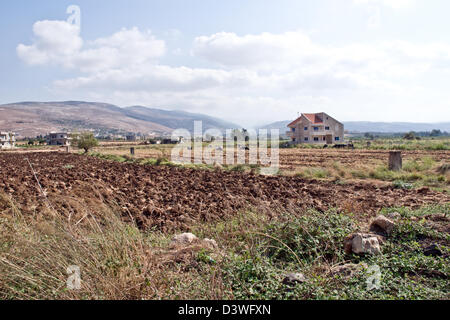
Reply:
x=256, y=248
x=117, y=260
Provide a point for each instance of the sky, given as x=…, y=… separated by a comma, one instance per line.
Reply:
x=251, y=62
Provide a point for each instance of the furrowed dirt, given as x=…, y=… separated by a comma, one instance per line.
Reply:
x=168, y=198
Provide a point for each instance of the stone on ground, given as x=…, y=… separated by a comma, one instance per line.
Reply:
x=383, y=225
x=361, y=243
x=348, y=270
x=293, y=278
x=212, y=244
x=184, y=238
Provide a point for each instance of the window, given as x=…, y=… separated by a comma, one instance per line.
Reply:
x=327, y=128
x=306, y=138
x=293, y=129
x=324, y=139
x=306, y=128
x=336, y=138
x=316, y=128
x=316, y=138
x=293, y=139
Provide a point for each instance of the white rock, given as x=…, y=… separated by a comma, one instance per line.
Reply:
x=184, y=238
x=210, y=243
x=361, y=244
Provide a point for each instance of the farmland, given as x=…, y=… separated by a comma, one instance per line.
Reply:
x=421, y=166
x=164, y=197
x=115, y=215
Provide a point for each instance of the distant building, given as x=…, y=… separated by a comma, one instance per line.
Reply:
x=316, y=128
x=7, y=140
x=58, y=139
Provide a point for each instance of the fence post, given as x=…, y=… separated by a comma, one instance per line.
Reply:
x=395, y=160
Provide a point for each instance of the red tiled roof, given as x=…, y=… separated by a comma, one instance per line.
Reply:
x=294, y=122
x=312, y=117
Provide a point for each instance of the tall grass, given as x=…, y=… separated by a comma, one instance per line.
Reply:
x=112, y=256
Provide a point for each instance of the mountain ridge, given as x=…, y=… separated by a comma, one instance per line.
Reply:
x=32, y=118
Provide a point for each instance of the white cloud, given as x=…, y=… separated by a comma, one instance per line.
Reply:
x=58, y=42
x=254, y=78
x=294, y=54
x=264, y=49
x=55, y=42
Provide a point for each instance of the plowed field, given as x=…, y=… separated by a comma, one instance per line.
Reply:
x=167, y=197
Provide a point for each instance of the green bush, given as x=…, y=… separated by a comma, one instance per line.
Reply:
x=85, y=141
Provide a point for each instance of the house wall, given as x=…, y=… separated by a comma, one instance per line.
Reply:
x=7, y=140
x=58, y=139
x=336, y=129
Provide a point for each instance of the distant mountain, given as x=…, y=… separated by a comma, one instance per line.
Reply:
x=177, y=119
x=365, y=126
x=29, y=119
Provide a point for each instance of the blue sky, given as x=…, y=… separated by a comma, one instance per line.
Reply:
x=250, y=62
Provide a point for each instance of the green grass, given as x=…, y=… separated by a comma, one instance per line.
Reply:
x=310, y=243
x=425, y=143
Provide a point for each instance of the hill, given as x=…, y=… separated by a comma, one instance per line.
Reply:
x=29, y=119
x=177, y=119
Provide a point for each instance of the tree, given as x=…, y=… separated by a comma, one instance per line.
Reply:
x=368, y=136
x=435, y=133
x=410, y=135
x=85, y=141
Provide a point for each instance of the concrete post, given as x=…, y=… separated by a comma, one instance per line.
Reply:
x=395, y=160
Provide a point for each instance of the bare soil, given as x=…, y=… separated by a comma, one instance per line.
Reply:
x=167, y=198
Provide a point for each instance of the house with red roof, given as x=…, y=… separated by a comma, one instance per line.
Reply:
x=316, y=128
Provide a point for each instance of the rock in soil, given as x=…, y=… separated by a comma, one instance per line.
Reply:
x=294, y=278
x=361, y=243
x=212, y=244
x=348, y=270
x=382, y=225
x=184, y=238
